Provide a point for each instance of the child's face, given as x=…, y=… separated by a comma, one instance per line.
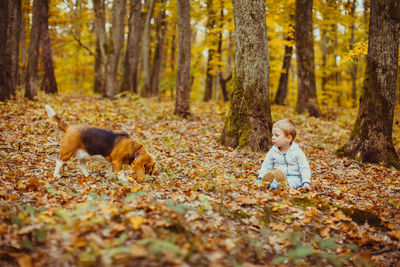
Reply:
x=279, y=139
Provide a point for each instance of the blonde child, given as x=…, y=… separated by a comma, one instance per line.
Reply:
x=285, y=163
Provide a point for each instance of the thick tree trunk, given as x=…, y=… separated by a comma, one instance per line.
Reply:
x=14, y=33
x=100, y=30
x=371, y=138
x=159, y=52
x=5, y=66
x=146, y=50
x=31, y=72
x=114, y=49
x=182, y=101
x=49, y=84
x=282, y=91
x=248, y=123
x=133, y=48
x=306, y=92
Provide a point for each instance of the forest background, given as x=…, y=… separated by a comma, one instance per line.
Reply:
x=336, y=228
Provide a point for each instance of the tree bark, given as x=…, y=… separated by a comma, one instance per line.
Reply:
x=5, y=66
x=146, y=50
x=100, y=30
x=49, y=84
x=211, y=21
x=371, y=137
x=14, y=33
x=354, y=65
x=282, y=91
x=114, y=49
x=306, y=92
x=182, y=101
x=134, y=46
x=159, y=52
x=248, y=123
x=33, y=52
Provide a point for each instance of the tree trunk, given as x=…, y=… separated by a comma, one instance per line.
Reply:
x=354, y=65
x=49, y=84
x=172, y=59
x=100, y=30
x=223, y=83
x=282, y=91
x=5, y=66
x=133, y=48
x=33, y=52
x=114, y=49
x=211, y=21
x=159, y=52
x=14, y=33
x=249, y=118
x=182, y=101
x=306, y=92
x=371, y=137
x=146, y=50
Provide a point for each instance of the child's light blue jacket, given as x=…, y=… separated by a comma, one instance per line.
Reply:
x=293, y=163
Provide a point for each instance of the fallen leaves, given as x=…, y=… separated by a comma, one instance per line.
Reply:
x=204, y=208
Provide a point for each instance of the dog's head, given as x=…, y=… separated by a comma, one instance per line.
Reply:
x=143, y=163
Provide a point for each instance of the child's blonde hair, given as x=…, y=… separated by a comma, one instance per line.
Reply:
x=287, y=126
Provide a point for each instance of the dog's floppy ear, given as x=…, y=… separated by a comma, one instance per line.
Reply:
x=135, y=146
x=138, y=170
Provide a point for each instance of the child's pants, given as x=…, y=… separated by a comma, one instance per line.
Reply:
x=293, y=181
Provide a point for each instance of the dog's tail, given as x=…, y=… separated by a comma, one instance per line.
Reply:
x=53, y=116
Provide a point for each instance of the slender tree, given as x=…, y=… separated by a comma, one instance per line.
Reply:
x=146, y=49
x=282, y=90
x=100, y=54
x=249, y=119
x=306, y=91
x=13, y=41
x=159, y=50
x=49, y=84
x=211, y=39
x=5, y=66
x=114, y=48
x=33, y=52
x=133, y=48
x=371, y=137
x=182, y=101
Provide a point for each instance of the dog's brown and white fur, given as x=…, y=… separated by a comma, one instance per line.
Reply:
x=110, y=147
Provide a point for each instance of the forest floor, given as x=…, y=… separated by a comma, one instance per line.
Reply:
x=203, y=209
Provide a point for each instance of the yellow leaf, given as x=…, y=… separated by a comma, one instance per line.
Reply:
x=136, y=222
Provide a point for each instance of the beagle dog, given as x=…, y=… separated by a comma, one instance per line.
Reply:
x=107, y=146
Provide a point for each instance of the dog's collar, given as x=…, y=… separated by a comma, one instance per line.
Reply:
x=135, y=155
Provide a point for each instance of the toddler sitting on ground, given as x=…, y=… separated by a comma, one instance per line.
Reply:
x=285, y=163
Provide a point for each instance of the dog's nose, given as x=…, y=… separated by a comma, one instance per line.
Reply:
x=155, y=171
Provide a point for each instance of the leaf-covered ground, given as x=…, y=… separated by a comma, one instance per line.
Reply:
x=203, y=209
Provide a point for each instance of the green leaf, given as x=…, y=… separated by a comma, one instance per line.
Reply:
x=16, y=220
x=134, y=195
x=179, y=207
x=332, y=259
x=300, y=252
x=64, y=215
x=278, y=260
x=328, y=244
x=40, y=235
x=27, y=244
x=161, y=246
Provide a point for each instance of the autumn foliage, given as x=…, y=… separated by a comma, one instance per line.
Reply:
x=204, y=208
